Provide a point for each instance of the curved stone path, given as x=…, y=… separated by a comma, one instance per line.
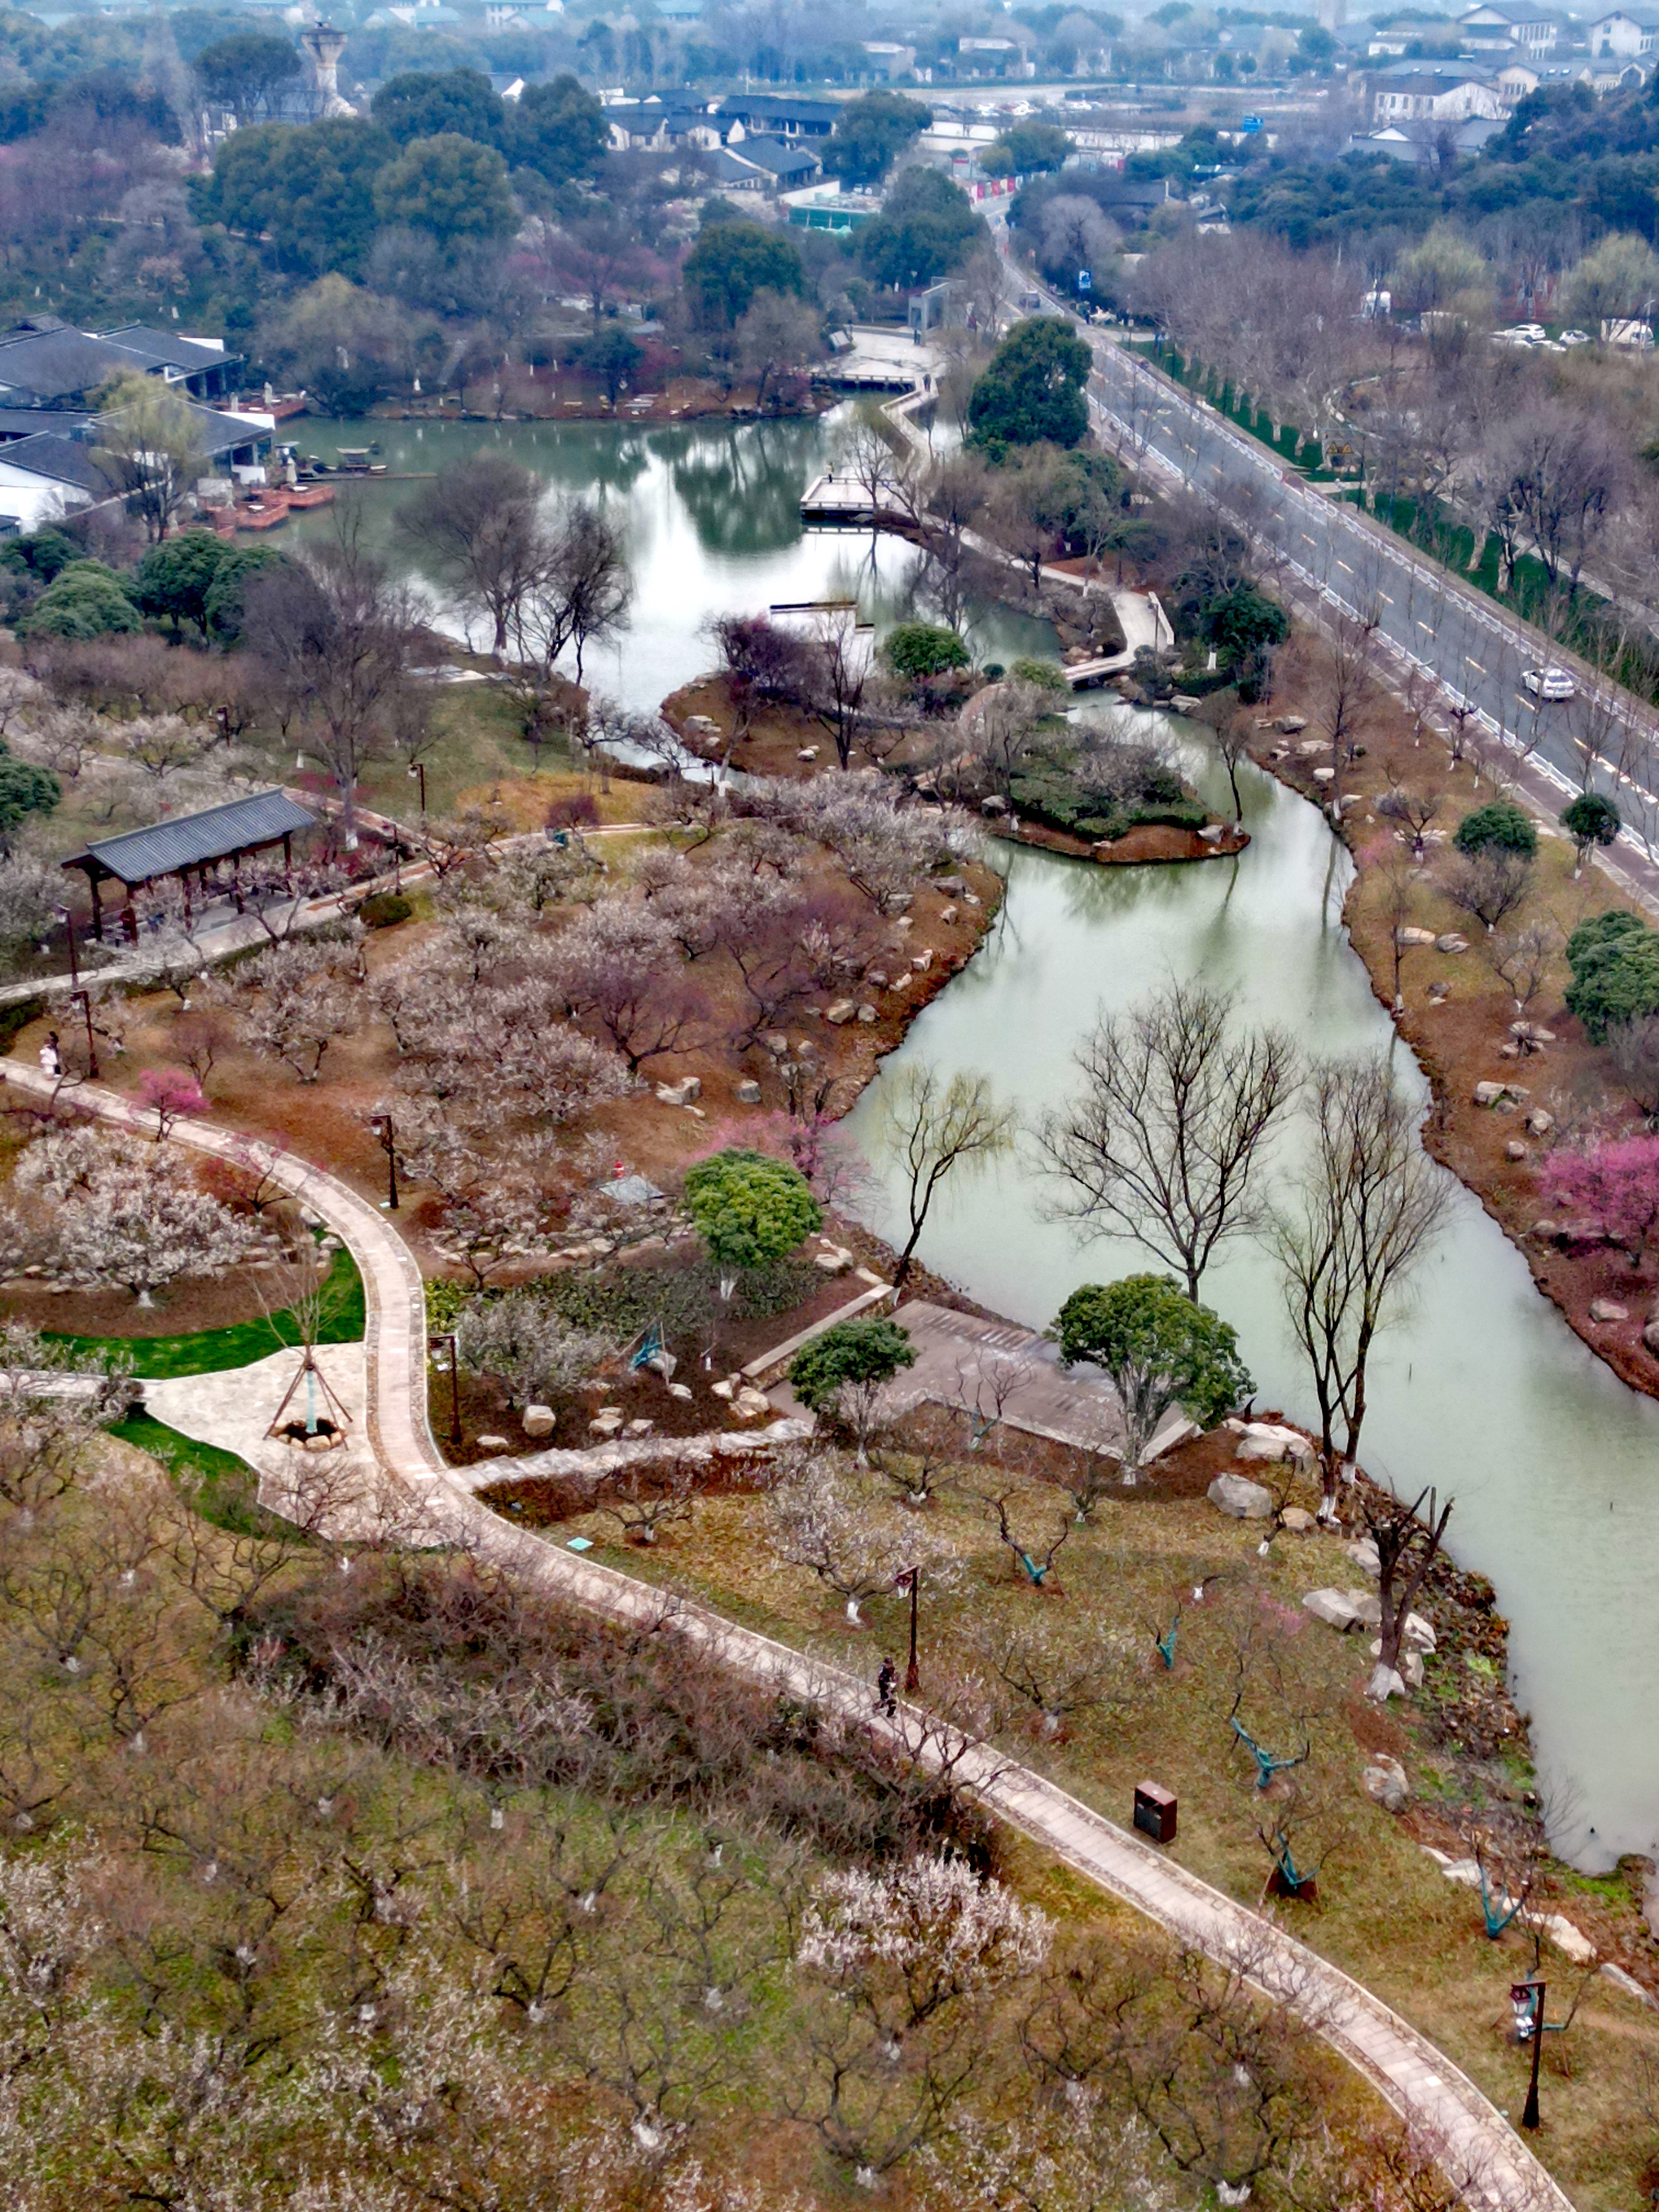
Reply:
x=1465, y=2133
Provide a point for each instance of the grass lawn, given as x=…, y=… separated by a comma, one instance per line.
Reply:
x=162, y=1359
x=221, y=1488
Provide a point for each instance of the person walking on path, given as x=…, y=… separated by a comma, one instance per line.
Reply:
x=885, y=1683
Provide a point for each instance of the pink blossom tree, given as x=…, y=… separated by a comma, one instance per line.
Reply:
x=170, y=1092
x=1616, y=1183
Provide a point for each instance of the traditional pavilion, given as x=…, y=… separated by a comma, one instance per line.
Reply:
x=191, y=846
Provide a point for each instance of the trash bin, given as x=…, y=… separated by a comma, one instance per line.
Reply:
x=1154, y=1812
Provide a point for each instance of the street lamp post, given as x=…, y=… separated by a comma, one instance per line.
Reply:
x=432, y=1345
x=381, y=1125
x=418, y=769
x=1527, y=1998
x=76, y=994
x=911, y=1580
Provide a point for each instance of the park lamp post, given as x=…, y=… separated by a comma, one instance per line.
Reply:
x=1527, y=1998
x=76, y=994
x=417, y=772
x=381, y=1125
x=447, y=1340
x=911, y=1580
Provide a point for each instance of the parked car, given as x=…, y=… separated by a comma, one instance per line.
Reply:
x=1552, y=685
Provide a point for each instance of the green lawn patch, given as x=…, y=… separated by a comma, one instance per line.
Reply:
x=163, y=1358
x=221, y=1487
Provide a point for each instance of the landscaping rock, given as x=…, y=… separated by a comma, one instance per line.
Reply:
x=1367, y=1606
x=1538, y=1123
x=606, y=1421
x=539, y=1420
x=722, y=1389
x=842, y=1010
x=1438, y=993
x=1608, y=1310
x=1407, y=935
x=1385, y=1783
x=807, y=753
x=1531, y=1033
x=1324, y=776
x=748, y=1093
x=993, y=805
x=679, y=1390
x=1240, y=1500
x=775, y=1043
x=640, y=1428
x=1451, y=942
x=1515, y=1150
x=1288, y=725
x=1270, y=1440
x=1298, y=1521
x=1385, y=1684
x=750, y=1404
x=1411, y=1663
x=1364, y=1555
x=685, y=1092
x=1332, y=1607
x=866, y=1015
x=947, y=914
x=1213, y=832
x=491, y=1444
x=923, y=961
x=1498, y=1094
x=834, y=1259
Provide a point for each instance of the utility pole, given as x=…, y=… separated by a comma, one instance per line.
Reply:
x=1527, y=1998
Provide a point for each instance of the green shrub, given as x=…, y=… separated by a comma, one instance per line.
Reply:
x=84, y=600
x=1592, y=819
x=917, y=649
x=1045, y=674
x=1602, y=929
x=748, y=1208
x=24, y=789
x=1615, y=977
x=1501, y=827
x=852, y=1353
x=384, y=909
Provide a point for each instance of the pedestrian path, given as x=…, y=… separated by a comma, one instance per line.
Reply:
x=1480, y=2153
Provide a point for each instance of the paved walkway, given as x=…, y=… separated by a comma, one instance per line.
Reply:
x=1472, y=2141
x=994, y=1369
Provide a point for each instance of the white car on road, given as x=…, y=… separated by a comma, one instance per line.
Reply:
x=1552, y=685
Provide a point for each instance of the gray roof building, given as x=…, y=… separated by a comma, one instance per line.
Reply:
x=190, y=843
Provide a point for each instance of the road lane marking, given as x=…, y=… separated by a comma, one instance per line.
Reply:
x=1473, y=662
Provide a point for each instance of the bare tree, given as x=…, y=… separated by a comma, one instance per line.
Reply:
x=842, y=659
x=935, y=1128
x=1367, y=1210
x=1489, y=885
x=1177, y=1110
x=1406, y=1544
x=338, y=636
x=1522, y=960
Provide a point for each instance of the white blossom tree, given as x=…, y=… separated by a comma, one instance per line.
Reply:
x=131, y=1214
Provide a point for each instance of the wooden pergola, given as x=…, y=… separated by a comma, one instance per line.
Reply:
x=188, y=846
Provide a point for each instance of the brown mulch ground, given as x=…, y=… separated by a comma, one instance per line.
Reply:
x=1150, y=843
x=185, y=1308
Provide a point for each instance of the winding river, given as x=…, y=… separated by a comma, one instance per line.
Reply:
x=1482, y=1391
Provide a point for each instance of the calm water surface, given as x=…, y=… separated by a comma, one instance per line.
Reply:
x=1483, y=1391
